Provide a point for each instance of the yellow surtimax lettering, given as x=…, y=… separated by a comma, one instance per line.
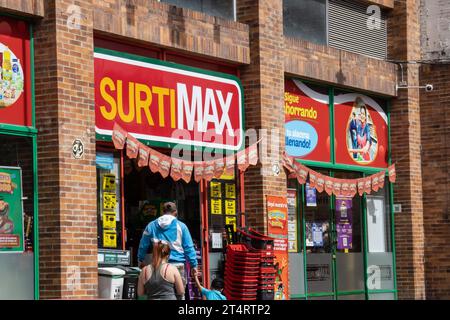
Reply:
x=125, y=117
x=161, y=92
x=143, y=104
x=172, y=109
x=111, y=114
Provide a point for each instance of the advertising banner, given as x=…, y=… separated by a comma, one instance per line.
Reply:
x=15, y=73
x=307, y=122
x=11, y=210
x=292, y=220
x=166, y=103
x=361, y=131
x=277, y=210
x=344, y=223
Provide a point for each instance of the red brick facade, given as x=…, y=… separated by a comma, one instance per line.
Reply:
x=255, y=45
x=435, y=129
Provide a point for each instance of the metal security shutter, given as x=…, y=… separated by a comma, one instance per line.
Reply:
x=348, y=29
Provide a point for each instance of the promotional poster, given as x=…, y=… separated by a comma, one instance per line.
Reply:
x=361, y=131
x=15, y=73
x=11, y=210
x=307, y=122
x=344, y=223
x=277, y=211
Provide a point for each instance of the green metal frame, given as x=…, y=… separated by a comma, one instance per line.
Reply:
x=30, y=132
x=332, y=166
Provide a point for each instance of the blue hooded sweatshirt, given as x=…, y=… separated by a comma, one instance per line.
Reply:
x=175, y=232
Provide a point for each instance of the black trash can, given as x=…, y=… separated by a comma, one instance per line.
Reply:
x=130, y=282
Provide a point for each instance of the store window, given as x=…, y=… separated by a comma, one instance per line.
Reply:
x=220, y=8
x=312, y=25
x=17, y=196
x=295, y=240
x=380, y=271
x=342, y=24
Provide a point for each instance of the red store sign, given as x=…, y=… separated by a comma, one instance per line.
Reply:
x=166, y=103
x=15, y=73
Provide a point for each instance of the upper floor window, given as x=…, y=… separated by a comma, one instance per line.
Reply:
x=306, y=19
x=219, y=8
x=342, y=24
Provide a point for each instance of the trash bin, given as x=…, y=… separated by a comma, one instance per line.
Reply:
x=110, y=283
x=130, y=283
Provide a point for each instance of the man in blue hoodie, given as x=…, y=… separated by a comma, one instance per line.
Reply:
x=169, y=228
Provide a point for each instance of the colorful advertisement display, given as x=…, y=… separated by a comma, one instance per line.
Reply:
x=361, y=131
x=166, y=103
x=292, y=220
x=277, y=211
x=344, y=223
x=307, y=122
x=15, y=73
x=11, y=210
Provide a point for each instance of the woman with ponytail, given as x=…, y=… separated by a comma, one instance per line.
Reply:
x=160, y=280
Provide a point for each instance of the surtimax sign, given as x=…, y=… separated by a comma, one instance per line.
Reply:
x=166, y=103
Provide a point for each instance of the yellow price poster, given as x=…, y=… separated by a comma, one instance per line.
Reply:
x=230, y=207
x=231, y=220
x=230, y=191
x=109, y=182
x=216, y=189
x=216, y=206
x=109, y=239
x=109, y=201
x=109, y=220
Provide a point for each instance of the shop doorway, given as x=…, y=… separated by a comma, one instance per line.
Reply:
x=331, y=238
x=146, y=192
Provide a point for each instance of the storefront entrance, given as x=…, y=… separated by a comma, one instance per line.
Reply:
x=337, y=242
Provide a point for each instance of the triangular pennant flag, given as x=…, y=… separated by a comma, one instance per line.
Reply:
x=392, y=174
x=312, y=178
x=375, y=182
x=353, y=189
x=302, y=173
x=328, y=185
x=345, y=188
x=155, y=159
x=132, y=147
x=199, y=168
x=164, y=165
x=381, y=178
x=229, y=165
x=208, y=173
x=253, y=154
x=219, y=166
x=337, y=187
x=288, y=162
x=361, y=185
x=175, y=171
x=242, y=160
x=320, y=184
x=119, y=137
x=367, y=185
x=144, y=154
x=186, y=173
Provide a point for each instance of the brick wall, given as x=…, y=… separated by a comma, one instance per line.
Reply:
x=335, y=66
x=23, y=7
x=181, y=29
x=404, y=44
x=263, y=82
x=435, y=128
x=64, y=112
